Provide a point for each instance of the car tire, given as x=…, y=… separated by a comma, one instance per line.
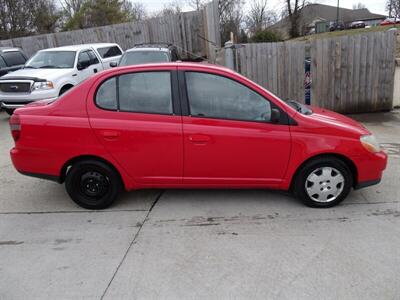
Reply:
x=9, y=111
x=63, y=90
x=93, y=184
x=323, y=182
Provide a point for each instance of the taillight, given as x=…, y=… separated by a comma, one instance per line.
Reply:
x=15, y=126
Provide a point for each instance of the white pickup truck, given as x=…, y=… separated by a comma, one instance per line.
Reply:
x=51, y=72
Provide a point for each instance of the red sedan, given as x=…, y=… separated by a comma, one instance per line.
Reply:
x=179, y=125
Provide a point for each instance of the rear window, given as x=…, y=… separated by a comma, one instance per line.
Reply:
x=109, y=51
x=13, y=58
x=143, y=57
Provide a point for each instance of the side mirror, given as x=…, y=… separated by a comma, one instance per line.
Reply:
x=113, y=64
x=275, y=115
x=82, y=65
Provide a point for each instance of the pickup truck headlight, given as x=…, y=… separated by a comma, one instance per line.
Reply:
x=43, y=85
x=370, y=143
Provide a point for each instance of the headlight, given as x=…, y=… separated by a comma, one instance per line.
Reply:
x=43, y=85
x=370, y=143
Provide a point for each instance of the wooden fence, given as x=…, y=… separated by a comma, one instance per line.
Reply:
x=354, y=73
x=277, y=66
x=187, y=30
x=350, y=74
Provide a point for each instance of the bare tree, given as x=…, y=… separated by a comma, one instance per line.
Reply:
x=25, y=17
x=393, y=8
x=259, y=17
x=196, y=4
x=45, y=16
x=293, y=8
x=172, y=8
x=135, y=10
x=71, y=7
x=359, y=5
x=231, y=18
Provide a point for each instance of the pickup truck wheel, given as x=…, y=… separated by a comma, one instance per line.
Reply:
x=9, y=111
x=93, y=184
x=64, y=89
x=323, y=182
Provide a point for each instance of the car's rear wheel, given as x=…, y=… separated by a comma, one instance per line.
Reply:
x=93, y=184
x=323, y=182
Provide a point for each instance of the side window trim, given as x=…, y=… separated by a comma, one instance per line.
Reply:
x=176, y=109
x=285, y=119
x=4, y=63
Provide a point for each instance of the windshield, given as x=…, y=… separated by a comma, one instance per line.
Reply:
x=143, y=57
x=301, y=108
x=52, y=60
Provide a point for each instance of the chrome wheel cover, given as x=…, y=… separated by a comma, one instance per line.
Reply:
x=324, y=184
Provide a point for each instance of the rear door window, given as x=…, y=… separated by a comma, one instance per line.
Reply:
x=13, y=58
x=112, y=51
x=145, y=92
x=148, y=92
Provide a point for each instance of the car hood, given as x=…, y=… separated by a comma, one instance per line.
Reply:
x=337, y=120
x=49, y=74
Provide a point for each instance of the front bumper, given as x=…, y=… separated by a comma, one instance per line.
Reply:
x=14, y=105
x=370, y=168
x=16, y=100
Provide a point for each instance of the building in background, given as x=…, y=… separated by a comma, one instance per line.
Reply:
x=323, y=16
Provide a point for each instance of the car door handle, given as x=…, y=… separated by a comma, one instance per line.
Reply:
x=199, y=138
x=110, y=135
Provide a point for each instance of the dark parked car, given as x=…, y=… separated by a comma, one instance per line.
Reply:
x=148, y=53
x=357, y=24
x=334, y=26
x=11, y=59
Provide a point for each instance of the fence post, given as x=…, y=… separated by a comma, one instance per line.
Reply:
x=229, y=63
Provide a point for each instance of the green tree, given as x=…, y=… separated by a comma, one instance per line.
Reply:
x=93, y=13
x=265, y=36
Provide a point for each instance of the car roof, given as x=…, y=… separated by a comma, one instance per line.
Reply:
x=155, y=49
x=9, y=49
x=80, y=47
x=189, y=65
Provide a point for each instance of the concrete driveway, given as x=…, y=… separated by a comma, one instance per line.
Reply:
x=191, y=244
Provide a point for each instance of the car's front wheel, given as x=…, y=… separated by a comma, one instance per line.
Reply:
x=9, y=111
x=93, y=184
x=323, y=182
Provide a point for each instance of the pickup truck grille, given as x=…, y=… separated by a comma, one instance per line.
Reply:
x=15, y=87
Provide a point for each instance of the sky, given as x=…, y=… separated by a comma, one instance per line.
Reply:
x=375, y=6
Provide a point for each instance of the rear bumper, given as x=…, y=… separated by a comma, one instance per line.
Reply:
x=31, y=163
x=42, y=176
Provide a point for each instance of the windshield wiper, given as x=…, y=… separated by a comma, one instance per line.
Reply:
x=29, y=67
x=48, y=67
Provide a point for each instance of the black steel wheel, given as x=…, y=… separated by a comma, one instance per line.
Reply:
x=93, y=184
